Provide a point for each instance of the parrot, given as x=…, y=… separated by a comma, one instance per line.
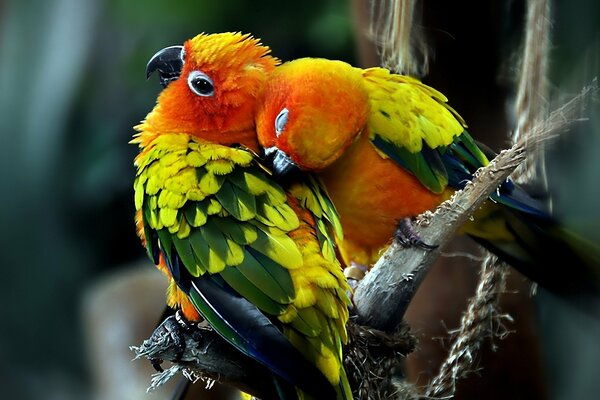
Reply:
x=388, y=147
x=252, y=258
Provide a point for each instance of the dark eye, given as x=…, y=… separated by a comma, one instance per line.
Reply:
x=281, y=121
x=201, y=84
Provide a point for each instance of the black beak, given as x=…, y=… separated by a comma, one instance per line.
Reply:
x=168, y=62
x=283, y=167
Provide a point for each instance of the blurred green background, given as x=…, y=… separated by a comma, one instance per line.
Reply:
x=72, y=86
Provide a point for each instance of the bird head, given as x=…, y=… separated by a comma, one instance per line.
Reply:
x=310, y=111
x=211, y=85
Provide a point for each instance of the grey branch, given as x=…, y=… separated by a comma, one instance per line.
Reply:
x=205, y=356
x=370, y=355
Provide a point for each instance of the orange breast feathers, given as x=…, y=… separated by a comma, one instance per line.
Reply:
x=314, y=138
x=371, y=195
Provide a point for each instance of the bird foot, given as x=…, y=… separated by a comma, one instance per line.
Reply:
x=182, y=321
x=354, y=274
x=173, y=329
x=405, y=234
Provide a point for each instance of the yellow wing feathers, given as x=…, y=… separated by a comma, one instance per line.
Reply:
x=182, y=182
x=406, y=112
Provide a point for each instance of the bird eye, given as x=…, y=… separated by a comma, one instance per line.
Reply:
x=281, y=121
x=201, y=84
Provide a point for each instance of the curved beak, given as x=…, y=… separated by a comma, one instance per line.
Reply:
x=281, y=164
x=168, y=62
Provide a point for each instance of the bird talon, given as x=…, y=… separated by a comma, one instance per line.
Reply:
x=156, y=364
x=405, y=235
x=354, y=274
x=182, y=321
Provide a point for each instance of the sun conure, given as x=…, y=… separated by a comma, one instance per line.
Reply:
x=253, y=259
x=389, y=147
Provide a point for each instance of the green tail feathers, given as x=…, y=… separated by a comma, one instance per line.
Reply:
x=539, y=247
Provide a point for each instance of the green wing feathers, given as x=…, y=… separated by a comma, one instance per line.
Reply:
x=183, y=185
x=223, y=215
x=409, y=113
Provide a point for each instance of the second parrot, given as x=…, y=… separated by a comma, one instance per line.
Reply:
x=388, y=148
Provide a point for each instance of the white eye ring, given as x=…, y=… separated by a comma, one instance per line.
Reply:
x=201, y=84
x=281, y=121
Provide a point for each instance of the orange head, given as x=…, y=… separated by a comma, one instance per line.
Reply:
x=311, y=110
x=211, y=86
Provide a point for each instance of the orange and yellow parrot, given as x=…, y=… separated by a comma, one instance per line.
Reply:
x=255, y=261
x=388, y=148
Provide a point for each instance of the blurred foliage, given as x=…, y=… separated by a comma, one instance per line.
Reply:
x=72, y=87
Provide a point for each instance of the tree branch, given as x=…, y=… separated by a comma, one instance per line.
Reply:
x=370, y=355
x=205, y=356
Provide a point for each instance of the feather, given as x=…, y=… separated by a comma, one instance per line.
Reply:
x=139, y=193
x=268, y=276
x=168, y=216
x=239, y=203
x=222, y=250
x=201, y=251
x=195, y=159
x=431, y=174
x=220, y=166
x=186, y=253
x=243, y=325
x=278, y=247
x=240, y=232
x=307, y=322
x=209, y=183
x=474, y=155
x=256, y=183
x=195, y=213
x=251, y=292
x=327, y=303
x=172, y=200
x=282, y=216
